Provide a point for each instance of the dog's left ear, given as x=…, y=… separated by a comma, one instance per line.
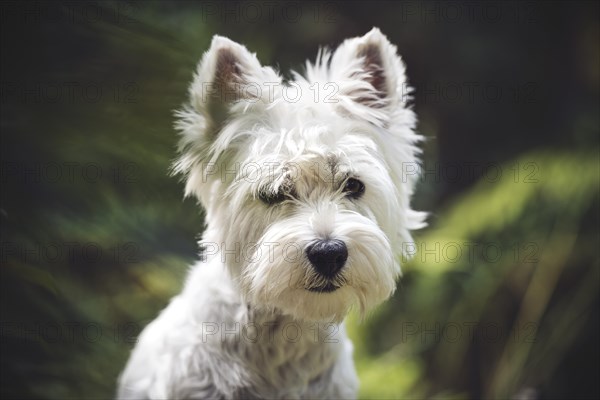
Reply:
x=370, y=73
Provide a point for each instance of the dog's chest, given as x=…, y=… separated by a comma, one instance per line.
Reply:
x=287, y=362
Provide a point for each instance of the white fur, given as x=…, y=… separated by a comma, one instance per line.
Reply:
x=229, y=334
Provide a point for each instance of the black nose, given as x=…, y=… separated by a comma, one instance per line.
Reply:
x=327, y=256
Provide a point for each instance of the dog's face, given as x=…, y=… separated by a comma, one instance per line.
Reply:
x=306, y=184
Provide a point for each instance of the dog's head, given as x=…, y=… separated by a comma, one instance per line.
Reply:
x=306, y=183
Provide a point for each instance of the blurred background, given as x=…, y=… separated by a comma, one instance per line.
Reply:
x=501, y=297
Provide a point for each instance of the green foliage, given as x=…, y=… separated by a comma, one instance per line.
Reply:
x=500, y=266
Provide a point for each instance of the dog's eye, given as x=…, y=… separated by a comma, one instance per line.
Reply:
x=354, y=188
x=272, y=198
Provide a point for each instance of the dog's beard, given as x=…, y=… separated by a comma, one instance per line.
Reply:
x=279, y=275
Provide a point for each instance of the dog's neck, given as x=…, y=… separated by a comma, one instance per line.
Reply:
x=273, y=350
x=289, y=351
x=291, y=330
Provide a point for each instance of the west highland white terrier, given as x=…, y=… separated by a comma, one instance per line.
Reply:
x=307, y=201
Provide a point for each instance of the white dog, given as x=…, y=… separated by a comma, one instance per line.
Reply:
x=307, y=200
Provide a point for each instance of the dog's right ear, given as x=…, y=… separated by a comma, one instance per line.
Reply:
x=223, y=78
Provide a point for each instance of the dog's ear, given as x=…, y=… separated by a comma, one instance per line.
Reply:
x=223, y=78
x=370, y=72
x=226, y=75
